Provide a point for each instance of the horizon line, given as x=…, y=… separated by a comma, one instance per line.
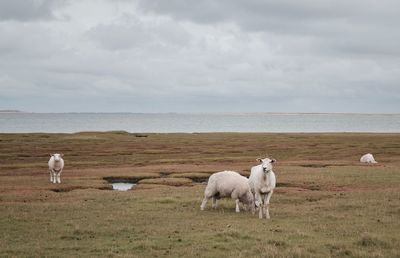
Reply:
x=5, y=111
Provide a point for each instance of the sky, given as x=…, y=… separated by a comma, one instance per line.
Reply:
x=200, y=56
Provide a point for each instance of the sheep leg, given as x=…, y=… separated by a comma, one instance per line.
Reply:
x=266, y=203
x=263, y=206
x=51, y=176
x=203, y=204
x=54, y=177
x=214, y=202
x=259, y=200
x=237, y=205
x=59, y=177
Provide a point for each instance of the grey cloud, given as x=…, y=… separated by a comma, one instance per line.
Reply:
x=263, y=13
x=120, y=37
x=356, y=27
x=27, y=41
x=28, y=10
x=162, y=56
x=136, y=34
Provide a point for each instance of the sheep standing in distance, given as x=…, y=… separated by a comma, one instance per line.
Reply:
x=262, y=183
x=56, y=165
x=368, y=158
x=228, y=184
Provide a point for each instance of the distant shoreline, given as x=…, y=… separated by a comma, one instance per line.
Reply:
x=204, y=113
x=11, y=111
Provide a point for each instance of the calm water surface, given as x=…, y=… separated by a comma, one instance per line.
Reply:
x=167, y=123
x=122, y=186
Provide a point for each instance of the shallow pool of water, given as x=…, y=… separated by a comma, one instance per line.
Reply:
x=122, y=186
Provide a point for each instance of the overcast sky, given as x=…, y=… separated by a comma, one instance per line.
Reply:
x=200, y=56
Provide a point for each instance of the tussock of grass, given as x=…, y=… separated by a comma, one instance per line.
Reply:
x=368, y=240
x=167, y=181
x=166, y=200
x=195, y=177
x=277, y=243
x=339, y=250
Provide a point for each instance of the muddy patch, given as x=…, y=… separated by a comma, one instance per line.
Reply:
x=314, y=165
x=67, y=189
x=308, y=187
x=167, y=181
x=322, y=165
x=164, y=174
x=126, y=179
x=163, y=178
x=199, y=179
x=126, y=183
x=141, y=135
x=314, y=186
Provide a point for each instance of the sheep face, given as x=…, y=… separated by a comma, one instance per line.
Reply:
x=56, y=156
x=266, y=164
x=248, y=201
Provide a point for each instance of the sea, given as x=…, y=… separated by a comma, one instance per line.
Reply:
x=198, y=122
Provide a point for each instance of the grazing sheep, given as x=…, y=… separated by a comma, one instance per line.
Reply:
x=368, y=158
x=56, y=165
x=228, y=184
x=262, y=182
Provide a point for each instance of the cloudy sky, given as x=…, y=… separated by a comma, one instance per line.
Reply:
x=200, y=56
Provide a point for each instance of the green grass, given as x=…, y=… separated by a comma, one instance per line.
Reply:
x=326, y=205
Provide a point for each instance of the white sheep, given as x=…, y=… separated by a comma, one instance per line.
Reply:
x=262, y=183
x=56, y=165
x=367, y=158
x=228, y=184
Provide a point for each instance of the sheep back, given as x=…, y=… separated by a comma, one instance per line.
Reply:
x=226, y=184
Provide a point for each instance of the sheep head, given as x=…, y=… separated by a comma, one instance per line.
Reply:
x=57, y=156
x=266, y=164
x=248, y=201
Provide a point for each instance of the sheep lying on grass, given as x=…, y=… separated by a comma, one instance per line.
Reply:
x=262, y=182
x=368, y=158
x=228, y=184
x=56, y=165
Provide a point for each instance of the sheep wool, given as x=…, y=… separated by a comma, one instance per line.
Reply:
x=227, y=184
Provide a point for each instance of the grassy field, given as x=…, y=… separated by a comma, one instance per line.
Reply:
x=326, y=203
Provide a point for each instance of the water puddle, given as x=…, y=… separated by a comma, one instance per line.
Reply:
x=122, y=186
x=125, y=183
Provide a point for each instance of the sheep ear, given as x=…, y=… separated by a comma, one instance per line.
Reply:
x=51, y=155
x=62, y=154
x=259, y=160
x=273, y=160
